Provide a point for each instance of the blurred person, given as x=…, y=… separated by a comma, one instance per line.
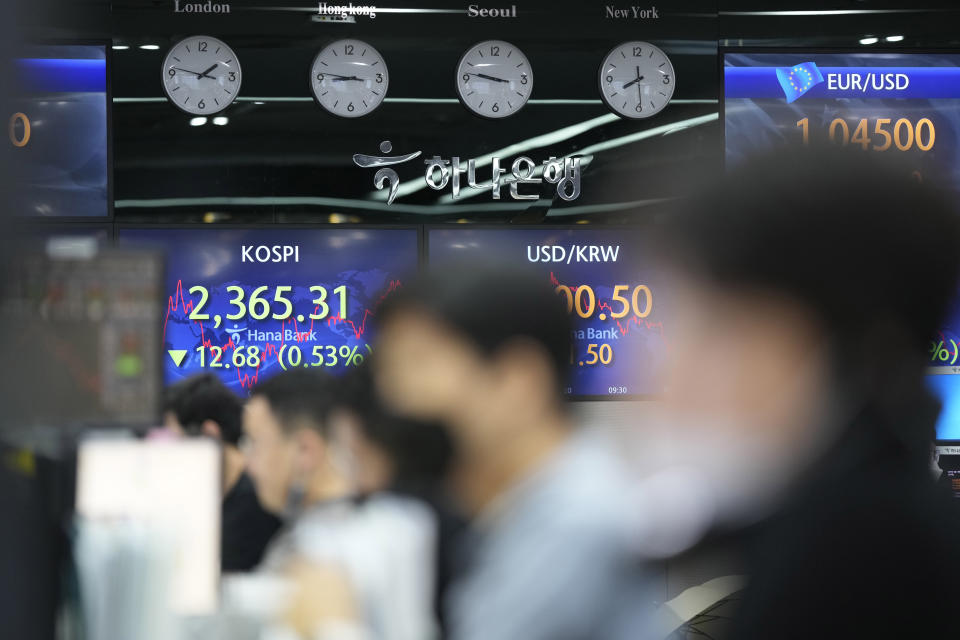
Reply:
x=203, y=405
x=483, y=351
x=358, y=567
x=388, y=457
x=380, y=450
x=286, y=445
x=806, y=289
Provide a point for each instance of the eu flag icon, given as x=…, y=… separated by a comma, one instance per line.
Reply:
x=798, y=79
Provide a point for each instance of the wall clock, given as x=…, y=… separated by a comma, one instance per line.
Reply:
x=349, y=78
x=494, y=79
x=636, y=80
x=201, y=75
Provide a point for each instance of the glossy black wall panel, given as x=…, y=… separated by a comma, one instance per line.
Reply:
x=280, y=156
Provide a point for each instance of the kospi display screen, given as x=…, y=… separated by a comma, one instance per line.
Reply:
x=616, y=299
x=890, y=103
x=249, y=303
x=58, y=133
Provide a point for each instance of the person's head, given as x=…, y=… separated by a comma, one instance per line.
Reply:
x=482, y=350
x=378, y=449
x=806, y=288
x=203, y=405
x=285, y=422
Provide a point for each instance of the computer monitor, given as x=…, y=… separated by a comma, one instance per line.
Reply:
x=79, y=334
x=152, y=515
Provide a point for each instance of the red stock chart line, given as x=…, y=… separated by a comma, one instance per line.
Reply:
x=178, y=303
x=80, y=367
x=623, y=327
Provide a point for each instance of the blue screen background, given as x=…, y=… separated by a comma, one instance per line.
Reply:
x=640, y=347
x=764, y=121
x=367, y=261
x=947, y=388
x=63, y=169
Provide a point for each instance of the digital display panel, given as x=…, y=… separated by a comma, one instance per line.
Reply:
x=58, y=132
x=890, y=103
x=249, y=303
x=615, y=297
x=946, y=386
x=944, y=348
x=943, y=355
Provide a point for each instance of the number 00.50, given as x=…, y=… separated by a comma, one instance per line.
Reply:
x=584, y=301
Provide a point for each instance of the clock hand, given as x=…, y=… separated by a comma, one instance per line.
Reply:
x=486, y=77
x=345, y=78
x=194, y=73
x=639, y=78
x=633, y=82
x=206, y=73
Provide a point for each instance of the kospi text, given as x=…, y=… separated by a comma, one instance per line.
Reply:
x=270, y=253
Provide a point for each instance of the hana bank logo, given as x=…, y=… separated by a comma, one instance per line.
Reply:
x=798, y=79
x=562, y=173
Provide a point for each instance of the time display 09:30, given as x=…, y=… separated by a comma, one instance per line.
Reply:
x=260, y=305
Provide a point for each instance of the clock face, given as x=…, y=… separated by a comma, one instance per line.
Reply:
x=201, y=75
x=637, y=80
x=494, y=79
x=349, y=78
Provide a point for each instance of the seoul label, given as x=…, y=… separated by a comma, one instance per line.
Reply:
x=476, y=11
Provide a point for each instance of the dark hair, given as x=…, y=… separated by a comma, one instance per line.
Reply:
x=205, y=397
x=299, y=398
x=858, y=241
x=855, y=239
x=490, y=306
x=421, y=452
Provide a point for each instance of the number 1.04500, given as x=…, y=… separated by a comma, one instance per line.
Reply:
x=885, y=133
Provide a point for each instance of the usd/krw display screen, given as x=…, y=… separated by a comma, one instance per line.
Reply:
x=890, y=103
x=616, y=299
x=57, y=129
x=249, y=303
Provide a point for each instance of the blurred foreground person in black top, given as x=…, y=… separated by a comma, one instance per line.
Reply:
x=807, y=289
x=204, y=406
